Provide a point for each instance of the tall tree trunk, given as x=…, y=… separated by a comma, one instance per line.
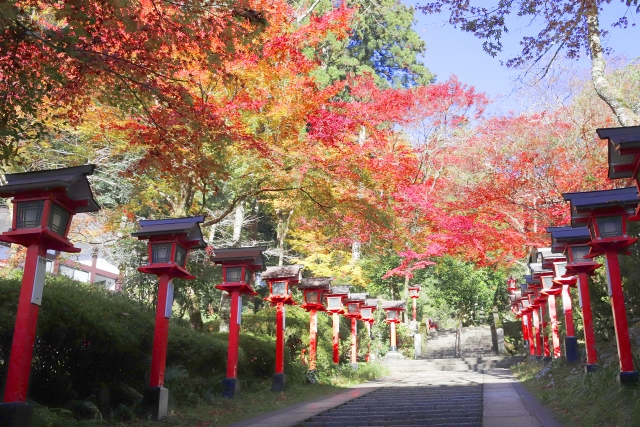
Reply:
x=607, y=92
x=281, y=233
x=237, y=224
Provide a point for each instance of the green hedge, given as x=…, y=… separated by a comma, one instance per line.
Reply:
x=92, y=343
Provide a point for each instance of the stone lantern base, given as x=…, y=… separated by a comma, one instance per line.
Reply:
x=571, y=349
x=16, y=414
x=627, y=378
x=231, y=387
x=156, y=401
x=278, y=382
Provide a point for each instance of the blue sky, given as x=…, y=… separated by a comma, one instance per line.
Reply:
x=451, y=51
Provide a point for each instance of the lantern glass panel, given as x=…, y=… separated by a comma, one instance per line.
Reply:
x=560, y=268
x=354, y=308
x=392, y=314
x=366, y=313
x=311, y=297
x=578, y=253
x=610, y=226
x=233, y=274
x=58, y=219
x=525, y=303
x=518, y=294
x=160, y=253
x=30, y=214
x=414, y=292
x=334, y=303
x=181, y=255
x=547, y=282
x=279, y=288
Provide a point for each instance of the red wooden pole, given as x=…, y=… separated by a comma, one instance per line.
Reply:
x=161, y=335
x=394, y=346
x=24, y=331
x=554, y=327
x=536, y=325
x=414, y=309
x=336, y=338
x=532, y=346
x=234, y=335
x=568, y=313
x=368, y=326
x=543, y=315
x=525, y=329
x=587, y=317
x=354, y=341
x=619, y=316
x=279, y=338
x=313, y=331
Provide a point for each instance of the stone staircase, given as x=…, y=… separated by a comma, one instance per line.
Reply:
x=423, y=399
x=476, y=351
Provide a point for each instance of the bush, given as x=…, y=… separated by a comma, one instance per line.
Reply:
x=92, y=344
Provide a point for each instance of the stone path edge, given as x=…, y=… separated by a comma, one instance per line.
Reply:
x=542, y=413
x=263, y=420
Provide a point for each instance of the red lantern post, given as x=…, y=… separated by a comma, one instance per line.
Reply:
x=239, y=266
x=606, y=212
x=393, y=310
x=44, y=204
x=414, y=294
x=314, y=290
x=170, y=241
x=353, y=304
x=551, y=291
x=366, y=313
x=334, y=306
x=280, y=281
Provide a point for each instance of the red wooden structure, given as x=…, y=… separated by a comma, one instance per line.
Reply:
x=353, y=304
x=334, y=306
x=44, y=204
x=393, y=309
x=414, y=294
x=239, y=266
x=366, y=313
x=280, y=281
x=606, y=212
x=169, y=244
x=314, y=290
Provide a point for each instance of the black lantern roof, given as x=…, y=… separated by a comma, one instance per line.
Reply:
x=250, y=255
x=189, y=227
x=371, y=302
x=340, y=290
x=315, y=282
x=72, y=180
x=291, y=272
x=394, y=305
x=362, y=296
x=563, y=236
x=531, y=280
x=584, y=203
x=623, y=147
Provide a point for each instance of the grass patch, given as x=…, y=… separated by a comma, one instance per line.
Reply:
x=580, y=399
x=209, y=411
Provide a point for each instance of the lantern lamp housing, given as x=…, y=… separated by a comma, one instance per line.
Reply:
x=280, y=289
x=353, y=308
x=334, y=302
x=560, y=269
x=392, y=314
x=312, y=297
x=578, y=253
x=547, y=282
x=366, y=313
x=603, y=227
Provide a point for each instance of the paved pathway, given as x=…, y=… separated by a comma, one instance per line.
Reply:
x=411, y=396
